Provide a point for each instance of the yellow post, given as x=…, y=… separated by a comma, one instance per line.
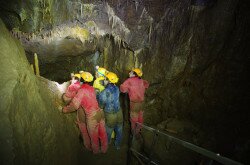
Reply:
x=36, y=65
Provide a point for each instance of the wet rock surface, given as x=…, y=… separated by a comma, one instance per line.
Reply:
x=194, y=54
x=32, y=130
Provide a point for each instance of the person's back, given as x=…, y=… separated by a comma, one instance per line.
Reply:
x=88, y=98
x=135, y=87
x=110, y=98
x=70, y=93
x=72, y=89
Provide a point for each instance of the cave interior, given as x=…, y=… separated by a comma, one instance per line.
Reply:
x=194, y=54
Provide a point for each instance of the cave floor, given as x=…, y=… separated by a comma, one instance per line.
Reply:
x=112, y=157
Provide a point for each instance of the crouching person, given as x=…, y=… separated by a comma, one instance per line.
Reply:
x=86, y=99
x=109, y=100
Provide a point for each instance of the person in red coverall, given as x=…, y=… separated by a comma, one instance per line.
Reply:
x=135, y=87
x=81, y=117
x=86, y=99
x=72, y=89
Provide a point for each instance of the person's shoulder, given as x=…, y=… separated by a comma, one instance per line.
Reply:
x=86, y=86
x=100, y=78
x=129, y=79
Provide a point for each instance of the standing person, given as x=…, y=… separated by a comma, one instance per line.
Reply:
x=99, y=81
x=109, y=100
x=135, y=87
x=81, y=117
x=86, y=99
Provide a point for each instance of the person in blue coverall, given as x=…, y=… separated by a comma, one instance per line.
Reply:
x=109, y=101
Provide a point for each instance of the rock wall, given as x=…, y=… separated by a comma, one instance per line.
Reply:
x=32, y=130
x=202, y=64
x=194, y=54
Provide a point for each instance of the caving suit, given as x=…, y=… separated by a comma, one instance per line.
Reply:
x=86, y=98
x=109, y=100
x=99, y=86
x=81, y=117
x=72, y=89
x=135, y=87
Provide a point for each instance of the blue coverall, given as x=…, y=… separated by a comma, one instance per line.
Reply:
x=109, y=100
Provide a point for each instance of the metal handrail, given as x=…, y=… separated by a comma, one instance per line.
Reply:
x=202, y=151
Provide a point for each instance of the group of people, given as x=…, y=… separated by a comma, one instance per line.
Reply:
x=98, y=107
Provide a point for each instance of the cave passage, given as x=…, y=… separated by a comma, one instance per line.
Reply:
x=193, y=53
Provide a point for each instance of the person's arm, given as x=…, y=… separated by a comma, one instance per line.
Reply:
x=75, y=103
x=66, y=99
x=124, y=86
x=71, y=91
x=145, y=83
x=69, y=108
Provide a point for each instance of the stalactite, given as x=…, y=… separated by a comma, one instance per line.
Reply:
x=136, y=5
x=117, y=40
x=33, y=36
x=149, y=33
x=113, y=22
x=125, y=52
x=119, y=43
x=123, y=44
x=105, y=55
x=136, y=61
x=36, y=65
x=130, y=63
x=81, y=10
x=97, y=35
x=43, y=14
x=110, y=19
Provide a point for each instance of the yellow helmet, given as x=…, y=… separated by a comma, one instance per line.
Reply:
x=138, y=71
x=77, y=75
x=101, y=71
x=87, y=76
x=112, y=77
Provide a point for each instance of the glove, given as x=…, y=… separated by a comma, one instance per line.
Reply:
x=60, y=108
x=66, y=99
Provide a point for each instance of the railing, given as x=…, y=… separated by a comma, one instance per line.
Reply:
x=190, y=153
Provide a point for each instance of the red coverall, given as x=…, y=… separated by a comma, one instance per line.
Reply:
x=136, y=90
x=86, y=98
x=81, y=121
